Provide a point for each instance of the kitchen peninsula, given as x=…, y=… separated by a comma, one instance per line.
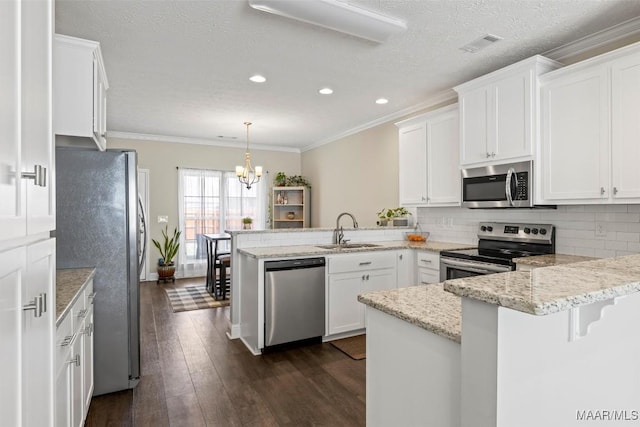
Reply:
x=375, y=258
x=530, y=348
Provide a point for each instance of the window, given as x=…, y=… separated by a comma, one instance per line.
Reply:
x=211, y=202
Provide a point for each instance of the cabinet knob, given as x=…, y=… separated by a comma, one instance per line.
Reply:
x=615, y=190
x=493, y=154
x=488, y=155
x=39, y=175
x=400, y=256
x=602, y=190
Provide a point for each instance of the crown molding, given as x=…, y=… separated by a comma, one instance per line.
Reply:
x=593, y=41
x=197, y=141
x=447, y=95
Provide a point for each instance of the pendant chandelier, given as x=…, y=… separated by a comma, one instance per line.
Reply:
x=246, y=174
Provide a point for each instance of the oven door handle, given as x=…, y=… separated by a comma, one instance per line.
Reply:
x=475, y=267
x=511, y=174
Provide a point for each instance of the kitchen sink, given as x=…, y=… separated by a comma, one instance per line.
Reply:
x=348, y=246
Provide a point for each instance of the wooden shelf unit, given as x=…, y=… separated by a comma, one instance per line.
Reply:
x=297, y=201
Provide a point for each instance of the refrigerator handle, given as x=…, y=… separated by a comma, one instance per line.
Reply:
x=143, y=233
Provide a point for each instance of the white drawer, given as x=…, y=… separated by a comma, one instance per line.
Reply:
x=361, y=261
x=427, y=276
x=428, y=260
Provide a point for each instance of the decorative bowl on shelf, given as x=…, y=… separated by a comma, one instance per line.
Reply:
x=291, y=215
x=416, y=236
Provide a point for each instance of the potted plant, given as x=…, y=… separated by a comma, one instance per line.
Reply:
x=282, y=180
x=393, y=216
x=246, y=223
x=168, y=251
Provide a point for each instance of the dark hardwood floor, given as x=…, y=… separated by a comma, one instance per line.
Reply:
x=193, y=375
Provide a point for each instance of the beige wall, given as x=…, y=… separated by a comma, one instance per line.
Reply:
x=162, y=158
x=356, y=174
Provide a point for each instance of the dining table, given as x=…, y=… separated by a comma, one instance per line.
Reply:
x=213, y=263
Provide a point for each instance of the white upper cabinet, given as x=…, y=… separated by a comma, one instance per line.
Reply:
x=498, y=113
x=429, y=174
x=80, y=90
x=589, y=131
x=27, y=193
x=412, y=166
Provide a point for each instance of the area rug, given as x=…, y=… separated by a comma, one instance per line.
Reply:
x=192, y=298
x=354, y=347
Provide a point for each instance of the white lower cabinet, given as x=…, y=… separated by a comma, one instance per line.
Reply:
x=427, y=267
x=27, y=305
x=349, y=276
x=74, y=361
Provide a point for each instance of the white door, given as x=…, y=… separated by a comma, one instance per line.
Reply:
x=12, y=209
x=625, y=128
x=379, y=280
x=38, y=335
x=512, y=131
x=443, y=159
x=37, y=127
x=345, y=312
x=12, y=272
x=412, y=169
x=575, y=136
x=474, y=108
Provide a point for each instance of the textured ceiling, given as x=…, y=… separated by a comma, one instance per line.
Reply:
x=181, y=68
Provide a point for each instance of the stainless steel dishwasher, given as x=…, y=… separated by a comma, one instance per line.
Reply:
x=294, y=300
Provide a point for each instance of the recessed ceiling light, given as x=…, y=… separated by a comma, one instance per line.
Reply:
x=326, y=91
x=381, y=101
x=481, y=43
x=258, y=78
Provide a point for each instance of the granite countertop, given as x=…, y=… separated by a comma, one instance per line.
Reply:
x=306, y=250
x=549, y=290
x=426, y=306
x=551, y=260
x=69, y=283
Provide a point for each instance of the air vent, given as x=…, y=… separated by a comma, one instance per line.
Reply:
x=481, y=43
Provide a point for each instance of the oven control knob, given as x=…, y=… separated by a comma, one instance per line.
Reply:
x=527, y=230
x=543, y=231
x=489, y=228
x=534, y=231
x=483, y=228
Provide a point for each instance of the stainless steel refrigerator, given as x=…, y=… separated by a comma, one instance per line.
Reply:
x=97, y=226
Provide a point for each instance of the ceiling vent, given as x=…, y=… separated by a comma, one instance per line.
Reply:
x=481, y=43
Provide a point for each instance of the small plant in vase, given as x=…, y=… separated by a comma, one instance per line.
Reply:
x=246, y=223
x=168, y=250
x=393, y=216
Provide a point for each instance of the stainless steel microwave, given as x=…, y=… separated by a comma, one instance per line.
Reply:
x=498, y=186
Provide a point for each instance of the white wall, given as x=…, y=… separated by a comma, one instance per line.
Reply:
x=162, y=158
x=575, y=226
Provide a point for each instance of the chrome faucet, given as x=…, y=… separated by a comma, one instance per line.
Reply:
x=338, y=234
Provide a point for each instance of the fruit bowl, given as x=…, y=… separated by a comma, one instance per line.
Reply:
x=417, y=236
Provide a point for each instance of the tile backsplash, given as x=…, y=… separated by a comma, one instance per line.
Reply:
x=590, y=230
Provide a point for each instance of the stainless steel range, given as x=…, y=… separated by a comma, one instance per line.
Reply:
x=498, y=244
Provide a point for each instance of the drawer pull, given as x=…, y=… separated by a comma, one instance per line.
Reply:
x=75, y=360
x=92, y=297
x=35, y=305
x=366, y=263
x=82, y=313
x=425, y=283
x=68, y=340
x=426, y=260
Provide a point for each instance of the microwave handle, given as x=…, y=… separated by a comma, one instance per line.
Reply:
x=511, y=174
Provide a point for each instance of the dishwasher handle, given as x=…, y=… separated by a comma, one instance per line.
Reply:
x=294, y=264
